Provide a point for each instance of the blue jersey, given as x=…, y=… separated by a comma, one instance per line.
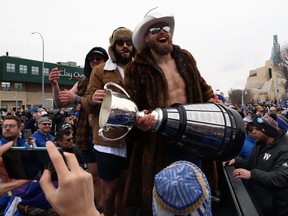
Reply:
x=20, y=142
x=41, y=139
x=247, y=148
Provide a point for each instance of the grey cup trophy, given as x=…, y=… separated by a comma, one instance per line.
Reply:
x=208, y=130
x=117, y=111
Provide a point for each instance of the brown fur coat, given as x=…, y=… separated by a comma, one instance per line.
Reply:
x=148, y=88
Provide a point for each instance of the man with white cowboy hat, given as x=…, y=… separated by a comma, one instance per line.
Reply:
x=161, y=74
x=152, y=17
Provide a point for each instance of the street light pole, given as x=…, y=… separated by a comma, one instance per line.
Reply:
x=242, y=98
x=42, y=94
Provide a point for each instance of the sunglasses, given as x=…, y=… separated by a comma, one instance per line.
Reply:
x=97, y=58
x=5, y=126
x=46, y=124
x=156, y=30
x=68, y=140
x=260, y=121
x=122, y=42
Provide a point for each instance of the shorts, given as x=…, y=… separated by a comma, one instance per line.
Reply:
x=89, y=156
x=110, y=165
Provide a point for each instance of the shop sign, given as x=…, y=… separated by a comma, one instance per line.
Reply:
x=71, y=76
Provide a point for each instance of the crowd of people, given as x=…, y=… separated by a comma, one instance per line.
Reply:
x=262, y=162
x=136, y=174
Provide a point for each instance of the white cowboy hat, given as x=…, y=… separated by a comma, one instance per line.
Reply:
x=152, y=17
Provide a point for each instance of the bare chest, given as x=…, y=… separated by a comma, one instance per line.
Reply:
x=173, y=78
x=176, y=84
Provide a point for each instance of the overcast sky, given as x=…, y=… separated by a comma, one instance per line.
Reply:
x=227, y=37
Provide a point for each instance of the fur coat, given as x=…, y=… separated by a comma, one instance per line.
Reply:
x=148, y=88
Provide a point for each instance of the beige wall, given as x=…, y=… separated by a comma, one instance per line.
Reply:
x=10, y=98
x=265, y=88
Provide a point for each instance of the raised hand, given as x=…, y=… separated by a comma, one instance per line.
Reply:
x=54, y=76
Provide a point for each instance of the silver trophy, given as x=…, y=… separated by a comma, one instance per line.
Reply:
x=208, y=130
x=117, y=111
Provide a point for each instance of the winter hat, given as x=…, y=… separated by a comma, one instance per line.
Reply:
x=44, y=119
x=152, y=17
x=66, y=126
x=221, y=97
x=181, y=189
x=282, y=123
x=259, y=108
x=97, y=51
x=120, y=33
x=248, y=119
x=272, y=108
x=267, y=125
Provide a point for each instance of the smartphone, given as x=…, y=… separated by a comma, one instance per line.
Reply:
x=28, y=163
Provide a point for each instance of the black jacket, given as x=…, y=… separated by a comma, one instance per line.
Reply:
x=269, y=175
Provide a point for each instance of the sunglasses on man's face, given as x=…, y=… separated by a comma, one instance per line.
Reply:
x=47, y=124
x=156, y=30
x=122, y=42
x=68, y=140
x=97, y=58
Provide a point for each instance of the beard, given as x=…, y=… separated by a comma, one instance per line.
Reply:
x=161, y=50
x=9, y=137
x=123, y=60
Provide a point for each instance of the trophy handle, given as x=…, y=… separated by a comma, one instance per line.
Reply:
x=106, y=87
x=101, y=130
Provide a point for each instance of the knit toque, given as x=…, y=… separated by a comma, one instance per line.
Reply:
x=181, y=189
x=267, y=125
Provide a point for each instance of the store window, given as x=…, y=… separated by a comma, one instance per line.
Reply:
x=18, y=87
x=5, y=86
x=10, y=67
x=3, y=108
x=23, y=69
x=35, y=70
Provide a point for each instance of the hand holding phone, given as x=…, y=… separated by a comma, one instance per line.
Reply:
x=6, y=184
x=73, y=180
x=28, y=163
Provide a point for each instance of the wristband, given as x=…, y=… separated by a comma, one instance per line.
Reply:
x=77, y=99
